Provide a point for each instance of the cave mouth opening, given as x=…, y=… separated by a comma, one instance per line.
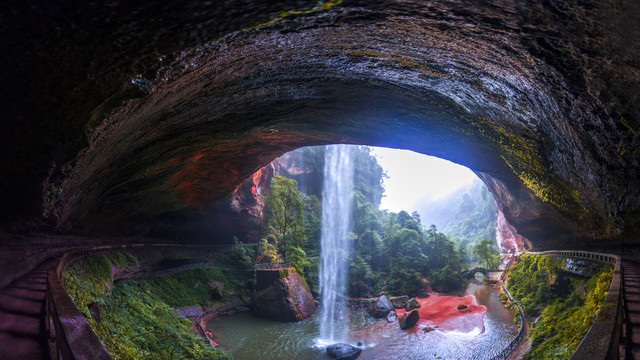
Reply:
x=307, y=174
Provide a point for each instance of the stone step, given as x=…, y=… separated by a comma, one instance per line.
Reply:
x=632, y=298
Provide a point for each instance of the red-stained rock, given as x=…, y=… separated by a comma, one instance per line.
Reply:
x=441, y=311
x=508, y=238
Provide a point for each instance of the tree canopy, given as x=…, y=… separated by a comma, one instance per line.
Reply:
x=285, y=216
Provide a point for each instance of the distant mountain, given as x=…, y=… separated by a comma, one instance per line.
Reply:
x=468, y=214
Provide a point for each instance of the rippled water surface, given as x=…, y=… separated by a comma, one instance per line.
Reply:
x=247, y=337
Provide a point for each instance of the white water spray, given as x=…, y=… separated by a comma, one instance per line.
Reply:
x=337, y=198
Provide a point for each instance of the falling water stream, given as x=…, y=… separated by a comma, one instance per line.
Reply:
x=337, y=197
x=250, y=338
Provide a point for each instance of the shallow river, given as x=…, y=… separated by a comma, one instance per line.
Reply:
x=247, y=337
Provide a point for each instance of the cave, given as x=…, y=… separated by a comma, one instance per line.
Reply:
x=126, y=120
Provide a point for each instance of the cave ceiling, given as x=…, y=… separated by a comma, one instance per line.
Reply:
x=126, y=118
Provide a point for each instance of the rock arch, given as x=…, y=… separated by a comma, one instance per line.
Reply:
x=451, y=80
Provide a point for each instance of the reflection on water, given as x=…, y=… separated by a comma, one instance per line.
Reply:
x=247, y=337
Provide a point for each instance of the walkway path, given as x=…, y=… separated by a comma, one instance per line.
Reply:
x=22, y=334
x=631, y=294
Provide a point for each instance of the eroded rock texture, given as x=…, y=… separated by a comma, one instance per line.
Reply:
x=540, y=99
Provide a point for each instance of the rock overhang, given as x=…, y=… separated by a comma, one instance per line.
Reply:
x=459, y=82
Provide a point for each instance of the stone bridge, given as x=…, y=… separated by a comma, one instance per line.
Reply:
x=470, y=273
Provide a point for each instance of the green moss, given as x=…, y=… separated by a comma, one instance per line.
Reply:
x=320, y=6
x=195, y=286
x=524, y=156
x=137, y=322
x=283, y=273
x=566, y=305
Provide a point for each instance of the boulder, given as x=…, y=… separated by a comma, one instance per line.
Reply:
x=409, y=320
x=283, y=296
x=412, y=304
x=382, y=307
x=399, y=302
x=343, y=351
x=392, y=316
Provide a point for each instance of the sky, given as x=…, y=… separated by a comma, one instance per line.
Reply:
x=415, y=178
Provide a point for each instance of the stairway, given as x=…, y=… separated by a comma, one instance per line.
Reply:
x=631, y=295
x=22, y=306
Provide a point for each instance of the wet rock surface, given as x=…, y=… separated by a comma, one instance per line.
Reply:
x=409, y=320
x=151, y=126
x=382, y=307
x=343, y=351
x=412, y=304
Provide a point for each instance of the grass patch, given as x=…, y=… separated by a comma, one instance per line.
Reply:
x=137, y=322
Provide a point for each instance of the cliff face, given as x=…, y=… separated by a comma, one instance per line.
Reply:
x=151, y=126
x=508, y=238
x=283, y=295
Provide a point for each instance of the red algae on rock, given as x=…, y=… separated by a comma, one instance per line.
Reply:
x=441, y=312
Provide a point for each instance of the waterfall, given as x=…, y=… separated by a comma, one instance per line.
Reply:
x=337, y=198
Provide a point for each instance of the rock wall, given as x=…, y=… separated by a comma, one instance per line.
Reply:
x=508, y=238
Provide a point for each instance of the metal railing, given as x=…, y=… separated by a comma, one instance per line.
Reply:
x=516, y=341
x=67, y=327
x=603, y=338
x=277, y=265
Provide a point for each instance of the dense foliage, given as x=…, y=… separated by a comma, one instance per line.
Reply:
x=566, y=304
x=487, y=251
x=392, y=252
x=137, y=321
x=284, y=234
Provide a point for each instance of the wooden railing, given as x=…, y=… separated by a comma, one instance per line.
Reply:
x=67, y=327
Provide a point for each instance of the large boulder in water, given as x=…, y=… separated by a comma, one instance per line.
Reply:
x=283, y=295
x=343, y=351
x=412, y=304
x=409, y=320
x=399, y=302
x=382, y=307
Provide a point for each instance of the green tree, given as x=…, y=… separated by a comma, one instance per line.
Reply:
x=285, y=215
x=488, y=253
